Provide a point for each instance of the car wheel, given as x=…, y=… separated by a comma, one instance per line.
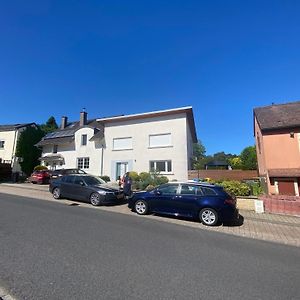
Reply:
x=141, y=207
x=95, y=199
x=56, y=193
x=208, y=216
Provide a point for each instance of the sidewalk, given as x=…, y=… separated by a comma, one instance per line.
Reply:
x=268, y=227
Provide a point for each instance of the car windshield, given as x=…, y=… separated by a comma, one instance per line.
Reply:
x=90, y=180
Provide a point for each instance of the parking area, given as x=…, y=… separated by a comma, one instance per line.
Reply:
x=269, y=227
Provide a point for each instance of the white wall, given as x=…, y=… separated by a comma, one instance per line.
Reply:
x=8, y=153
x=9, y=137
x=141, y=154
x=74, y=150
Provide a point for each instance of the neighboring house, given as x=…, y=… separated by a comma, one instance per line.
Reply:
x=9, y=135
x=160, y=140
x=277, y=134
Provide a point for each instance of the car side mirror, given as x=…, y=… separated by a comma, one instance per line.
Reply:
x=81, y=183
x=158, y=192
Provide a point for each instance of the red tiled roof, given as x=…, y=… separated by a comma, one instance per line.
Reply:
x=279, y=116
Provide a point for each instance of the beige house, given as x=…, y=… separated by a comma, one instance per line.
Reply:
x=161, y=140
x=9, y=135
x=277, y=134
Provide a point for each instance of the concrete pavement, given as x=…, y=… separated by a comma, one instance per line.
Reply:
x=268, y=227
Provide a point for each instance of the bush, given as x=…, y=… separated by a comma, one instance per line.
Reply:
x=255, y=187
x=145, y=176
x=40, y=168
x=161, y=180
x=105, y=178
x=236, y=188
x=147, y=180
x=134, y=176
x=150, y=187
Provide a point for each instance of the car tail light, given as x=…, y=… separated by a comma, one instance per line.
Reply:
x=230, y=201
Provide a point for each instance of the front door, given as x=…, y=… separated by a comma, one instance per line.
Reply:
x=121, y=169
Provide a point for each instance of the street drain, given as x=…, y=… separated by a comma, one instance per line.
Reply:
x=73, y=204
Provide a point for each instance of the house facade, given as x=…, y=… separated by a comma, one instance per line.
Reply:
x=160, y=141
x=277, y=134
x=9, y=135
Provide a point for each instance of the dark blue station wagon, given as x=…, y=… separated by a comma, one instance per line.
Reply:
x=208, y=203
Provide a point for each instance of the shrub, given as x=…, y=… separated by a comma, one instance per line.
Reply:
x=161, y=180
x=134, y=176
x=236, y=188
x=145, y=180
x=255, y=187
x=40, y=168
x=150, y=187
x=105, y=178
x=145, y=176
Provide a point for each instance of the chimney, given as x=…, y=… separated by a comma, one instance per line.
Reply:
x=64, y=121
x=83, y=118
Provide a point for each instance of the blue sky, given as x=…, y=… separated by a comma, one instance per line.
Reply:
x=121, y=57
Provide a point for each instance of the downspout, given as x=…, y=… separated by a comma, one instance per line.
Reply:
x=14, y=150
x=102, y=159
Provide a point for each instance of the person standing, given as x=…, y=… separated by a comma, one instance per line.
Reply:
x=127, y=182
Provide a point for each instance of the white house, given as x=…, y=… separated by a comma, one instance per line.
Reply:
x=160, y=140
x=9, y=135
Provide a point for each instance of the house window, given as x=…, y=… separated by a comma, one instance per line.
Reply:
x=122, y=143
x=83, y=140
x=83, y=162
x=160, y=140
x=2, y=144
x=54, y=149
x=163, y=166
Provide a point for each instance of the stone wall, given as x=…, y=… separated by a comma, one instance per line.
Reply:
x=281, y=204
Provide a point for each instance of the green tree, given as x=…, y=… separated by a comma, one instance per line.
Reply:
x=222, y=156
x=26, y=148
x=200, y=164
x=49, y=126
x=198, y=154
x=248, y=158
x=235, y=162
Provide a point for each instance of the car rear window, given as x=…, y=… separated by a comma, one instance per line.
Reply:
x=207, y=191
x=187, y=189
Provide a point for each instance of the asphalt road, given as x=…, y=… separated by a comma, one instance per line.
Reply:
x=51, y=251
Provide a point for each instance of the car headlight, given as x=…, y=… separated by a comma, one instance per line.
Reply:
x=102, y=192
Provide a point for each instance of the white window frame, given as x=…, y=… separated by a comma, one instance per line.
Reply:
x=166, y=171
x=83, y=162
x=116, y=147
x=2, y=142
x=162, y=144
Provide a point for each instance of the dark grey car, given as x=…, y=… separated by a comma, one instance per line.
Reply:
x=85, y=188
x=61, y=172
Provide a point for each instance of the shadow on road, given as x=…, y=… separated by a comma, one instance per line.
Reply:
x=235, y=223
